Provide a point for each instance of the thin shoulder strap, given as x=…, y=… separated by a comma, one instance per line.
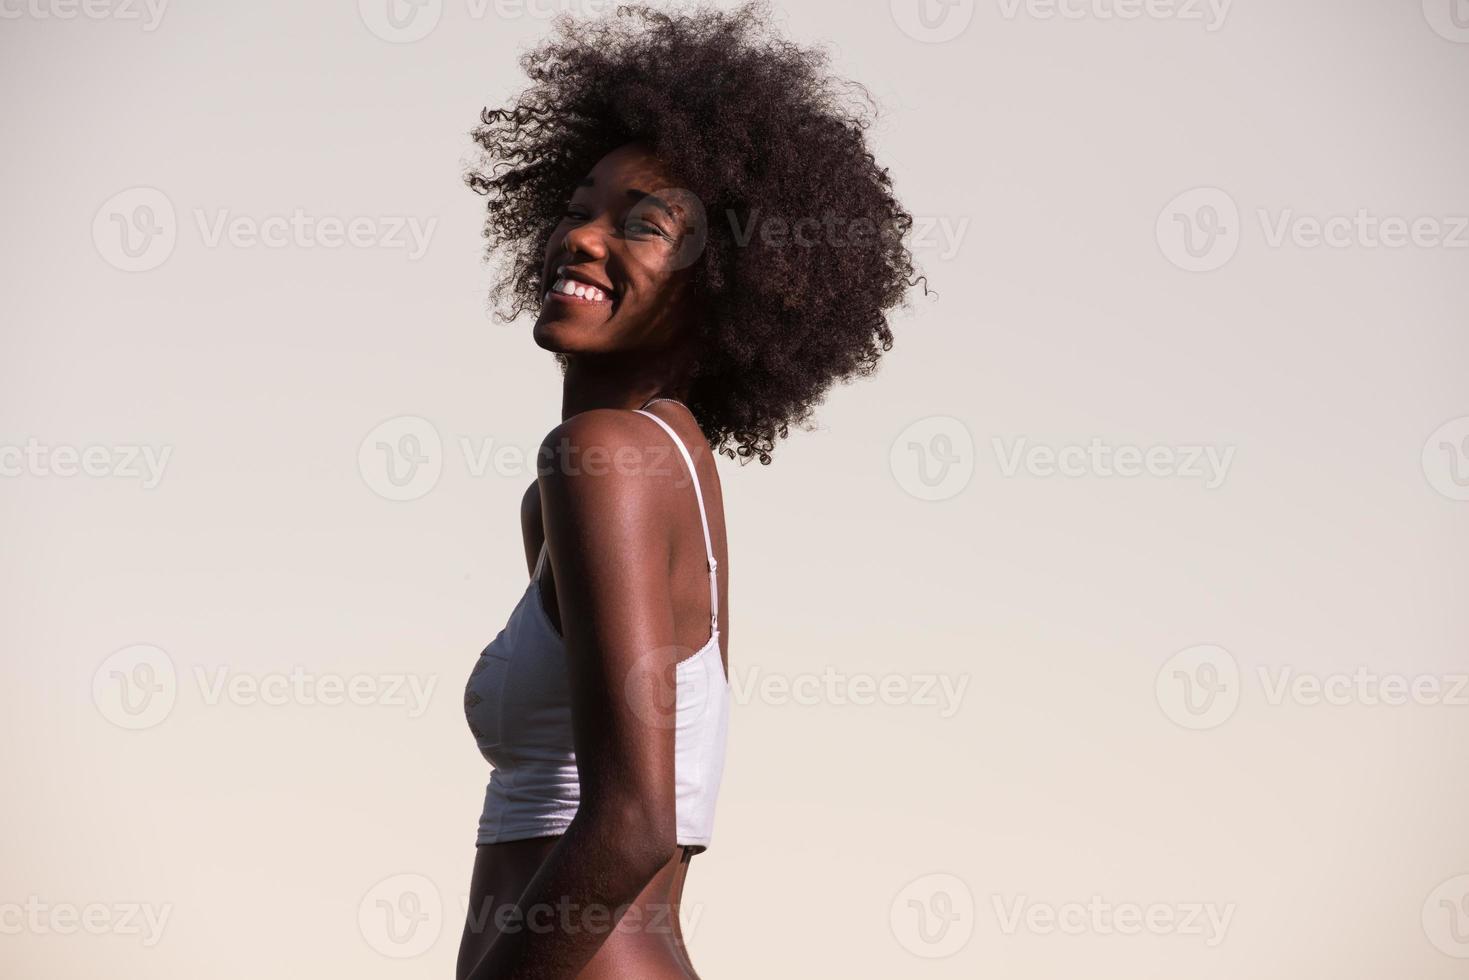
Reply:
x=703, y=520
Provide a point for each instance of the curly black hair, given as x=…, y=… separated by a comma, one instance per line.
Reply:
x=805, y=250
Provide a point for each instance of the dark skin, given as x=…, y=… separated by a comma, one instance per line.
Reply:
x=625, y=584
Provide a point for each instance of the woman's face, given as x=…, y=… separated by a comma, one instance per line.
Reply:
x=616, y=274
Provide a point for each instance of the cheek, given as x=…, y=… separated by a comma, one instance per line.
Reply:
x=651, y=259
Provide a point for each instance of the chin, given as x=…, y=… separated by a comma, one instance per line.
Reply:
x=564, y=335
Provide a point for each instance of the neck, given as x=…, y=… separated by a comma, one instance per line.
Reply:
x=618, y=381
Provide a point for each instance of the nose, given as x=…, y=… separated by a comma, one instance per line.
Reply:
x=586, y=241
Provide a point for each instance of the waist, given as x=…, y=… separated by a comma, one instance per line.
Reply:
x=645, y=940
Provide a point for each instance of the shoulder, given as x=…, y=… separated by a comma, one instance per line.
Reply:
x=608, y=455
x=598, y=426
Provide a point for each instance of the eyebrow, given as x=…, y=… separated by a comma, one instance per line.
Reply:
x=638, y=197
x=635, y=195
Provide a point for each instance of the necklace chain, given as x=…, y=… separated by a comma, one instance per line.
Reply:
x=664, y=399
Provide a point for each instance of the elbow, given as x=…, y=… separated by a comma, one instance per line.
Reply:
x=641, y=835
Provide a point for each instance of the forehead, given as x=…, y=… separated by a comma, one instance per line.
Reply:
x=632, y=164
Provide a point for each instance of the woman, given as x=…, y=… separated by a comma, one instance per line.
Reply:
x=688, y=206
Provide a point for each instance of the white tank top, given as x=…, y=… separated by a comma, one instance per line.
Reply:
x=518, y=704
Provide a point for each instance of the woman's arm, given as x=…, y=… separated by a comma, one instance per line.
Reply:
x=532, y=531
x=603, y=509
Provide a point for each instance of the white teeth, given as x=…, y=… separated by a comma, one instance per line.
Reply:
x=570, y=287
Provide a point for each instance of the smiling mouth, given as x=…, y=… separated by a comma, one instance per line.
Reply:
x=574, y=291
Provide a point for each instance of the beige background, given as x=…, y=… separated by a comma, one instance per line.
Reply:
x=1081, y=764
